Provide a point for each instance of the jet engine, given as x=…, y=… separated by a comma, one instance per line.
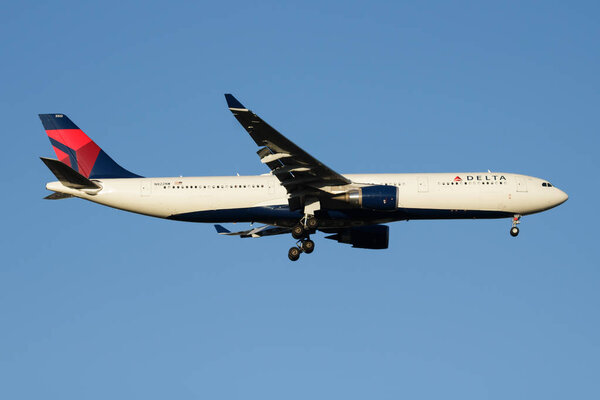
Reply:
x=378, y=197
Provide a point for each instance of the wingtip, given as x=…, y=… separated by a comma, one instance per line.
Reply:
x=221, y=229
x=232, y=102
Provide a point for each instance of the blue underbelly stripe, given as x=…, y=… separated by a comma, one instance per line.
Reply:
x=282, y=212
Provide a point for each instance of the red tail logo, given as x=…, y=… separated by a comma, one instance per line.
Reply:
x=75, y=149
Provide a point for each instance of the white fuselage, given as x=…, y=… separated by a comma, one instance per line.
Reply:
x=262, y=198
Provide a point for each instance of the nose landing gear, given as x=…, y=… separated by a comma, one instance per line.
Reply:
x=514, y=231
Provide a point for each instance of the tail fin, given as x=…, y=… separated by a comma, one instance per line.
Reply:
x=75, y=149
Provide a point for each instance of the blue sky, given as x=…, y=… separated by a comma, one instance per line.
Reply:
x=98, y=303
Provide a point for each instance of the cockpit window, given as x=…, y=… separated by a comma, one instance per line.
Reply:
x=546, y=184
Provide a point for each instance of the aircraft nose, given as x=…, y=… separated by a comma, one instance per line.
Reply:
x=561, y=197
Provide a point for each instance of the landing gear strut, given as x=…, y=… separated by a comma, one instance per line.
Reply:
x=514, y=231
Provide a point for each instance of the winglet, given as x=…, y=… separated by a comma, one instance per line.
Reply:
x=221, y=230
x=233, y=103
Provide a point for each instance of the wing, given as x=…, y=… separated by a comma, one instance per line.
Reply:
x=298, y=171
x=265, y=230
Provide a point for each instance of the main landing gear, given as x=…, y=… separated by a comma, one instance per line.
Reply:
x=301, y=233
x=301, y=230
x=514, y=231
x=302, y=246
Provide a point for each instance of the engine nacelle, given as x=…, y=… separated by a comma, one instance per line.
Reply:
x=378, y=197
x=364, y=237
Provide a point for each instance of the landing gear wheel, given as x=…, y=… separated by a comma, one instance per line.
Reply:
x=312, y=223
x=308, y=246
x=294, y=254
x=298, y=232
x=514, y=231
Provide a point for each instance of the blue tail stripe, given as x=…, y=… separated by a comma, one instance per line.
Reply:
x=106, y=168
x=67, y=150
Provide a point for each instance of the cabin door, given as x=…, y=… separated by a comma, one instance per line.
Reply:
x=521, y=185
x=145, y=187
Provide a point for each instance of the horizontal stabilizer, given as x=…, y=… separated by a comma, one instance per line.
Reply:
x=58, y=196
x=68, y=176
x=265, y=230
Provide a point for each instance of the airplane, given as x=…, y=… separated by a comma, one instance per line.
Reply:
x=299, y=196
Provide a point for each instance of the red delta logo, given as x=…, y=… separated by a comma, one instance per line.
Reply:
x=457, y=179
